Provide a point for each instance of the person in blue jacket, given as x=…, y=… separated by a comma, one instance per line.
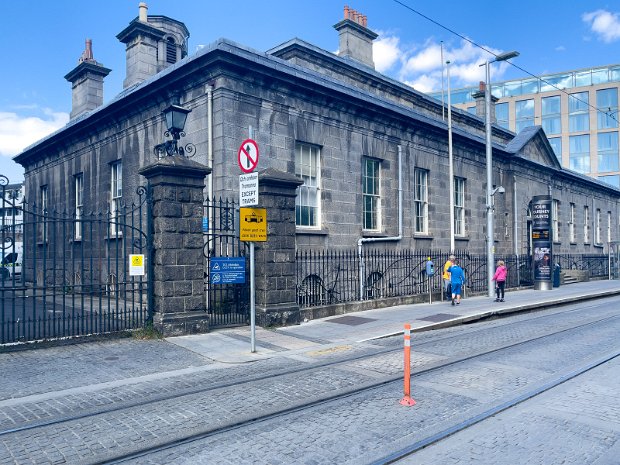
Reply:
x=457, y=279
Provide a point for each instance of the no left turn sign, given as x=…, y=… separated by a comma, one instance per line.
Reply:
x=247, y=157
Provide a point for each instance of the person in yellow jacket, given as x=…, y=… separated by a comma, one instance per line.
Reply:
x=446, y=276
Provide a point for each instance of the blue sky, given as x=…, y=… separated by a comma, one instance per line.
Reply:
x=41, y=41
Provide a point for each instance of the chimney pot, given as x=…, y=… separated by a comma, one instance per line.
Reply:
x=482, y=86
x=143, y=8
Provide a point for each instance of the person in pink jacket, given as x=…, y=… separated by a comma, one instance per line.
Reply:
x=500, y=280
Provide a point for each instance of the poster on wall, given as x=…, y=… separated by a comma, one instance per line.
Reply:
x=541, y=237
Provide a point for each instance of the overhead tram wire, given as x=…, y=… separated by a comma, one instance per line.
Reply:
x=609, y=114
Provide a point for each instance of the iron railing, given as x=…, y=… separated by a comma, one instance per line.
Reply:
x=227, y=303
x=331, y=277
x=74, y=274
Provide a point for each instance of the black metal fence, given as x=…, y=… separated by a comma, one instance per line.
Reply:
x=228, y=303
x=331, y=277
x=71, y=273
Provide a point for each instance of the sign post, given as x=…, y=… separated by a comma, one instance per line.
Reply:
x=542, y=242
x=252, y=221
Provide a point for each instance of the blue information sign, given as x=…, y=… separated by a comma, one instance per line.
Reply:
x=227, y=270
x=205, y=224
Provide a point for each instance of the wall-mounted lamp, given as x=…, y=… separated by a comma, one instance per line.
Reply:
x=175, y=116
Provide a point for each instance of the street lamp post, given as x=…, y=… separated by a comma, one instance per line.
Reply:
x=489, y=168
x=450, y=165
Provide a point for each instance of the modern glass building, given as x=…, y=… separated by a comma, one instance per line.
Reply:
x=577, y=109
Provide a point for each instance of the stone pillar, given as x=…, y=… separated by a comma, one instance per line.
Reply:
x=176, y=185
x=276, y=284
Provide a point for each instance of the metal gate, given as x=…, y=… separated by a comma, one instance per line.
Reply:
x=68, y=274
x=228, y=303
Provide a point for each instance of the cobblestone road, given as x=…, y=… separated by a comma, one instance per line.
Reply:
x=43, y=385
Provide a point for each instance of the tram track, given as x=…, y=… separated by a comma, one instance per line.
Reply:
x=230, y=384
x=205, y=432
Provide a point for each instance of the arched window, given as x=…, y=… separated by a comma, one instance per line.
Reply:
x=171, y=50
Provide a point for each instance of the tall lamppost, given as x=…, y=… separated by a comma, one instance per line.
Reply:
x=489, y=168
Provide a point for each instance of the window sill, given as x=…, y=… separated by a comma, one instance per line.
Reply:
x=461, y=238
x=374, y=234
x=311, y=232
x=118, y=237
x=423, y=236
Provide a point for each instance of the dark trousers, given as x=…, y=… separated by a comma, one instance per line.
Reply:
x=499, y=289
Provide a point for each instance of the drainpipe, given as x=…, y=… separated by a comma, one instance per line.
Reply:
x=210, y=139
x=363, y=240
x=516, y=227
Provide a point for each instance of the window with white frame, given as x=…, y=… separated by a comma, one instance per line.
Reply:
x=79, y=204
x=571, y=224
x=459, y=206
x=586, y=225
x=555, y=218
x=307, y=201
x=116, y=196
x=420, y=200
x=597, y=227
x=371, y=194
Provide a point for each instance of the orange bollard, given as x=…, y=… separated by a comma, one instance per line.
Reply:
x=407, y=400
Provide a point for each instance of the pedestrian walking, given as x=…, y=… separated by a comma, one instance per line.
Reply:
x=446, y=276
x=457, y=279
x=500, y=280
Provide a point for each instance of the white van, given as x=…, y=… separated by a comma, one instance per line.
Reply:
x=11, y=264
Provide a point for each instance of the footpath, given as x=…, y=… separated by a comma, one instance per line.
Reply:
x=234, y=345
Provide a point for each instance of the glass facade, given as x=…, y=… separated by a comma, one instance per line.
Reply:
x=579, y=153
x=578, y=117
x=607, y=104
x=551, y=109
x=556, y=145
x=524, y=111
x=613, y=180
x=501, y=115
x=547, y=83
x=607, y=151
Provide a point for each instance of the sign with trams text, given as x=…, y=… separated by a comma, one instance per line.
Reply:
x=248, y=190
x=253, y=224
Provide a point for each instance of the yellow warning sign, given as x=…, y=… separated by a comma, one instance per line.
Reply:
x=136, y=265
x=253, y=224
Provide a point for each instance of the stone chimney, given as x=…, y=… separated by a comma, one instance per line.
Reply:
x=355, y=37
x=86, y=82
x=481, y=104
x=152, y=44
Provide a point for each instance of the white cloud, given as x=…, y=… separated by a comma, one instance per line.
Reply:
x=386, y=52
x=604, y=24
x=18, y=131
x=422, y=68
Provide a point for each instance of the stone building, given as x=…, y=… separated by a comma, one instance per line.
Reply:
x=372, y=152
